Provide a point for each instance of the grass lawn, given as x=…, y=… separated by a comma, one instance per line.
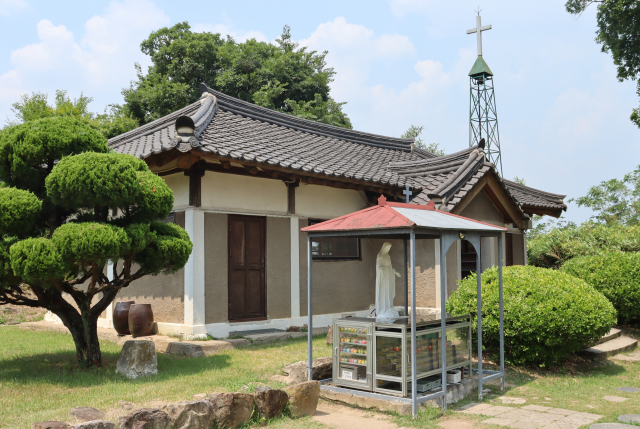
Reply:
x=40, y=380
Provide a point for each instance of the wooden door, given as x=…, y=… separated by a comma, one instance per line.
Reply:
x=247, y=288
x=509, y=249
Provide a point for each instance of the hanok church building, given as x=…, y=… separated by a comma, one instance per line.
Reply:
x=246, y=179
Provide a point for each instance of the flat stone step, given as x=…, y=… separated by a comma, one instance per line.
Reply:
x=610, y=348
x=613, y=333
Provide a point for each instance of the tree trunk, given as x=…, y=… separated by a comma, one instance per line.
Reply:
x=83, y=326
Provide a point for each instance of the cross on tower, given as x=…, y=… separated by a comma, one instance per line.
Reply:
x=479, y=29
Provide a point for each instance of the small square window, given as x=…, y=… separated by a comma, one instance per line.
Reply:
x=334, y=248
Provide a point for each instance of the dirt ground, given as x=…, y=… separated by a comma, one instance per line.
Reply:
x=16, y=314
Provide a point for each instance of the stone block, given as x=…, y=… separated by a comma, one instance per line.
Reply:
x=231, y=410
x=95, y=424
x=630, y=418
x=145, y=418
x=270, y=402
x=49, y=425
x=257, y=339
x=615, y=398
x=190, y=414
x=330, y=336
x=86, y=414
x=322, y=369
x=138, y=358
x=303, y=398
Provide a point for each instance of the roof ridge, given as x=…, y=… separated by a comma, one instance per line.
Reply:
x=151, y=127
x=264, y=114
x=438, y=161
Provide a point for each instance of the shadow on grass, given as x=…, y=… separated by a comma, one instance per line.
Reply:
x=62, y=369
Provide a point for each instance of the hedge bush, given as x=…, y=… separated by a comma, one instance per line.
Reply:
x=614, y=274
x=553, y=249
x=548, y=315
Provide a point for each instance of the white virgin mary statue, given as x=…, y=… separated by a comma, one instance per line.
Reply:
x=385, y=284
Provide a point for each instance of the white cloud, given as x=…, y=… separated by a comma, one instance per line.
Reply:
x=11, y=7
x=228, y=30
x=101, y=60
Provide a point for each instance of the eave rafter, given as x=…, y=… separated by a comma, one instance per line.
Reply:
x=185, y=161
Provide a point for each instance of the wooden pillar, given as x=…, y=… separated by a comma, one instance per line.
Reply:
x=195, y=174
x=291, y=196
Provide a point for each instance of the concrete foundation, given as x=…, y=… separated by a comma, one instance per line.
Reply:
x=455, y=392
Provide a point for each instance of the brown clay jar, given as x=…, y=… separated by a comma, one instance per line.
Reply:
x=121, y=317
x=140, y=320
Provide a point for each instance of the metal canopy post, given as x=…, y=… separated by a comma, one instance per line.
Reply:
x=309, y=311
x=414, y=356
x=479, y=310
x=406, y=281
x=444, y=246
x=479, y=292
x=500, y=299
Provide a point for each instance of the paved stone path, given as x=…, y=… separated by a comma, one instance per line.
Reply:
x=630, y=418
x=531, y=416
x=615, y=398
x=633, y=357
x=612, y=426
x=628, y=389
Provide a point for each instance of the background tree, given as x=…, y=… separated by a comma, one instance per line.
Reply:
x=618, y=30
x=415, y=132
x=111, y=123
x=615, y=201
x=282, y=77
x=56, y=235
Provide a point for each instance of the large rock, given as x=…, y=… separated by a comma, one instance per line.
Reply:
x=190, y=414
x=49, y=425
x=270, y=402
x=138, y=358
x=231, y=410
x=303, y=398
x=145, y=418
x=322, y=367
x=95, y=424
x=86, y=414
x=330, y=336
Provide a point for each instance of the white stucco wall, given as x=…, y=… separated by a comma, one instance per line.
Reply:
x=179, y=184
x=237, y=193
x=324, y=202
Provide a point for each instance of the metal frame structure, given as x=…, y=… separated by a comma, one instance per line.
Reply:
x=483, y=118
x=447, y=237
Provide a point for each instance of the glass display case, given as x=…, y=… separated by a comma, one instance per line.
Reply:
x=376, y=356
x=352, y=351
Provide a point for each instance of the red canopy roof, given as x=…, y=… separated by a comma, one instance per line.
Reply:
x=388, y=215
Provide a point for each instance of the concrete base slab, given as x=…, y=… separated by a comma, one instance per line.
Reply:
x=455, y=392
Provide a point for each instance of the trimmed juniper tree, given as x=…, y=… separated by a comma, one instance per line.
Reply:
x=57, y=232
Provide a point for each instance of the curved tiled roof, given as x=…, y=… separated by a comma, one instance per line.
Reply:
x=531, y=198
x=236, y=129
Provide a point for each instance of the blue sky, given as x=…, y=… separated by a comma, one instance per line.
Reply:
x=563, y=116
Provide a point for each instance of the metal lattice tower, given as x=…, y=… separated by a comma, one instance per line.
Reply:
x=483, y=116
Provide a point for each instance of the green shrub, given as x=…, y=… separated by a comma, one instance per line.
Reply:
x=548, y=315
x=614, y=274
x=552, y=249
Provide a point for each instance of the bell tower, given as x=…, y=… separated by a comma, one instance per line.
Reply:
x=483, y=116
